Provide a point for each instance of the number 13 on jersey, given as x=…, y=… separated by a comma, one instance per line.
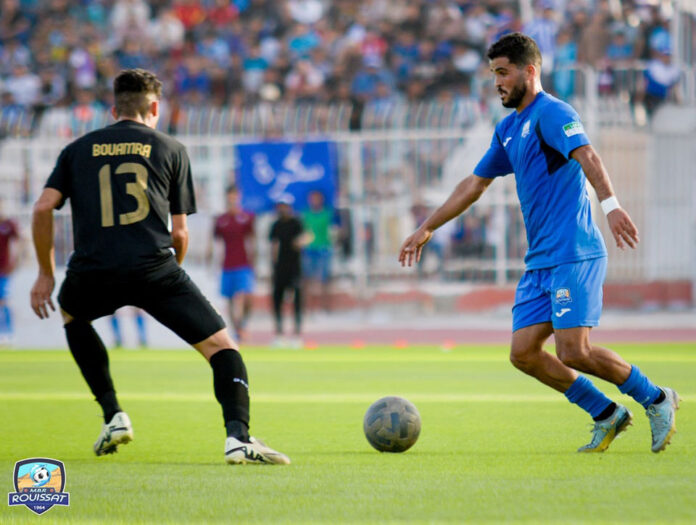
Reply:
x=136, y=189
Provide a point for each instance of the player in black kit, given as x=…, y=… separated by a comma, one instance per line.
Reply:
x=124, y=182
x=287, y=240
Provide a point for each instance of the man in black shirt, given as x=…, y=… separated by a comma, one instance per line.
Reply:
x=124, y=182
x=287, y=240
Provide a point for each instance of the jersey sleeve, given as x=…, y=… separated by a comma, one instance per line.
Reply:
x=182, y=199
x=60, y=177
x=495, y=162
x=562, y=130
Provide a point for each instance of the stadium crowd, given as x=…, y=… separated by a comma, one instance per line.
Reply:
x=236, y=52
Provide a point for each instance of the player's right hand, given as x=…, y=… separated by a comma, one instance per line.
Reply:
x=413, y=247
x=41, y=295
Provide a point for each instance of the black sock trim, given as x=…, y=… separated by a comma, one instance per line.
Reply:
x=660, y=398
x=238, y=430
x=606, y=412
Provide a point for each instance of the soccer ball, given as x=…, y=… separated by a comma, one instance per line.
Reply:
x=392, y=424
x=40, y=475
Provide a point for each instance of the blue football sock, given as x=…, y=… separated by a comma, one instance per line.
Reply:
x=640, y=388
x=4, y=320
x=587, y=396
x=8, y=317
x=140, y=323
x=116, y=327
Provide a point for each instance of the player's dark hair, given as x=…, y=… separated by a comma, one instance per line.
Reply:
x=132, y=90
x=519, y=49
x=232, y=188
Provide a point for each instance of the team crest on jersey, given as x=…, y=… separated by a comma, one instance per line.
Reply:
x=525, y=128
x=39, y=484
x=563, y=296
x=573, y=128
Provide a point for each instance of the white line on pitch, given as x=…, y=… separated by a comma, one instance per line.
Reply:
x=301, y=398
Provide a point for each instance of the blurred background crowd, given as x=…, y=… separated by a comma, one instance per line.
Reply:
x=237, y=52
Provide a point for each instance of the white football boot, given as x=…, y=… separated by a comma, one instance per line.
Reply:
x=254, y=452
x=117, y=431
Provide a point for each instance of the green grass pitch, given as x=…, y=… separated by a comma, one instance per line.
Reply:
x=495, y=445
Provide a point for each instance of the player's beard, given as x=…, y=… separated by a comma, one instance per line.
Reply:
x=516, y=95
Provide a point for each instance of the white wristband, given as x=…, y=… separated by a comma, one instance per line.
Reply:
x=609, y=205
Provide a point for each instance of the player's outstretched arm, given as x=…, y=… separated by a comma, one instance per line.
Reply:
x=464, y=195
x=620, y=223
x=42, y=233
x=180, y=236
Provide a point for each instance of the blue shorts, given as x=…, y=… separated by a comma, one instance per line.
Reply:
x=317, y=264
x=567, y=295
x=4, y=280
x=239, y=280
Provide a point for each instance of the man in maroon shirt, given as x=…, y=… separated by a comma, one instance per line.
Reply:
x=9, y=235
x=235, y=228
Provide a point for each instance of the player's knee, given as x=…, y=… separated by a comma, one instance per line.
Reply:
x=574, y=354
x=522, y=358
x=67, y=318
x=220, y=340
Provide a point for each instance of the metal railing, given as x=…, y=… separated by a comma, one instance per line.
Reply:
x=383, y=174
x=604, y=97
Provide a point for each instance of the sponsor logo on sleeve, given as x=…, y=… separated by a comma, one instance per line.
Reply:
x=573, y=128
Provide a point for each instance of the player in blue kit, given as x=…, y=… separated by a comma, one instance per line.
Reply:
x=544, y=144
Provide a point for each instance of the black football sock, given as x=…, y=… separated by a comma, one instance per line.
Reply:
x=109, y=405
x=231, y=387
x=298, y=310
x=278, y=292
x=237, y=429
x=90, y=355
x=606, y=412
x=660, y=398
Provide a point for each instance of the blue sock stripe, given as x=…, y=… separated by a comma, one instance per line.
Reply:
x=5, y=320
x=640, y=388
x=587, y=396
x=140, y=323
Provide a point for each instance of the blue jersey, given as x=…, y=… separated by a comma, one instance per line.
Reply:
x=535, y=145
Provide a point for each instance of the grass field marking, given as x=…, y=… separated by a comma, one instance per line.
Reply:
x=301, y=398
x=324, y=355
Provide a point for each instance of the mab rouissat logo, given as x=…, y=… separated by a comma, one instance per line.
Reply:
x=563, y=296
x=39, y=484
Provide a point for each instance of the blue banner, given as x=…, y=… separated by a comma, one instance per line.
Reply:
x=269, y=172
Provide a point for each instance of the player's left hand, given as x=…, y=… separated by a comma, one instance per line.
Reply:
x=41, y=295
x=623, y=229
x=413, y=247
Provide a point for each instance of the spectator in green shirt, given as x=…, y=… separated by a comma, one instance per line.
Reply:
x=318, y=222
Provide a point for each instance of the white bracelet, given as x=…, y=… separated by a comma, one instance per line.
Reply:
x=610, y=204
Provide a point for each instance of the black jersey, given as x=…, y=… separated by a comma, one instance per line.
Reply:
x=123, y=181
x=286, y=232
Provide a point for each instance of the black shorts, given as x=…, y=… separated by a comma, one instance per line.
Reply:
x=168, y=294
x=287, y=280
